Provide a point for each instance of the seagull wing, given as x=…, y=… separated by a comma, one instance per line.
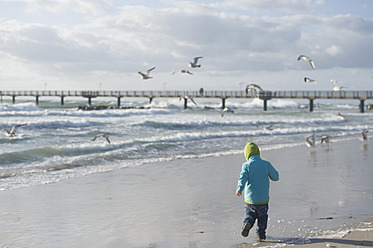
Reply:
x=6, y=130
x=15, y=128
x=189, y=72
x=98, y=135
x=193, y=101
x=175, y=72
x=195, y=60
x=312, y=64
x=148, y=71
x=107, y=139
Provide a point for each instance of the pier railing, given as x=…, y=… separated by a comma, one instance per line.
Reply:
x=361, y=95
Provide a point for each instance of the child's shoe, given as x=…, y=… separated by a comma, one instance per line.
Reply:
x=261, y=236
x=245, y=229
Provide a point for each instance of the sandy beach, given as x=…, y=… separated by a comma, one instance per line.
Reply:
x=324, y=196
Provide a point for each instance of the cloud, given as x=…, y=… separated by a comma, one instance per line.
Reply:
x=131, y=38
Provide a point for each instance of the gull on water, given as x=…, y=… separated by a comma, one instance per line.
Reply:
x=253, y=87
x=336, y=87
x=343, y=117
x=14, y=129
x=365, y=134
x=146, y=74
x=226, y=110
x=309, y=80
x=311, y=140
x=266, y=128
x=187, y=97
x=182, y=71
x=103, y=136
x=325, y=139
x=307, y=59
x=194, y=63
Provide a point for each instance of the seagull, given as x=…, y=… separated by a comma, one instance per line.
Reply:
x=336, y=87
x=365, y=134
x=187, y=97
x=13, y=131
x=182, y=71
x=343, y=117
x=307, y=59
x=146, y=74
x=267, y=128
x=309, y=80
x=325, y=139
x=101, y=135
x=255, y=87
x=311, y=140
x=194, y=63
x=225, y=110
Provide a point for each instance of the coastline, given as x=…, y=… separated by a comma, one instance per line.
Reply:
x=191, y=203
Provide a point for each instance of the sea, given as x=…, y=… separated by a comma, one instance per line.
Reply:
x=57, y=142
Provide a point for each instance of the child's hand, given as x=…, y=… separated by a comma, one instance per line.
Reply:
x=238, y=193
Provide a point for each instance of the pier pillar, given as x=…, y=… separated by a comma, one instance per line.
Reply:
x=311, y=105
x=118, y=102
x=265, y=104
x=361, y=106
x=185, y=103
x=89, y=101
x=222, y=103
x=14, y=99
x=62, y=100
x=37, y=100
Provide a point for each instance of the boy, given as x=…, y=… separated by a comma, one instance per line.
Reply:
x=254, y=178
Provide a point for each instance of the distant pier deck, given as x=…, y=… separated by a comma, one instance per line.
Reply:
x=223, y=95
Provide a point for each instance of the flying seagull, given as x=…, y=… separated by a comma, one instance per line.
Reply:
x=187, y=97
x=311, y=140
x=146, y=74
x=307, y=59
x=103, y=136
x=13, y=131
x=336, y=87
x=194, y=63
x=224, y=110
x=365, y=134
x=343, y=117
x=325, y=139
x=309, y=80
x=182, y=71
x=253, y=87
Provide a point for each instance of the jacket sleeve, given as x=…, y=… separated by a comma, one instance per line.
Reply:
x=244, y=177
x=273, y=173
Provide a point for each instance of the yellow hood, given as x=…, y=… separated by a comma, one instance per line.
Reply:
x=250, y=150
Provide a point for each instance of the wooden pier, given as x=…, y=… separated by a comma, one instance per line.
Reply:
x=223, y=95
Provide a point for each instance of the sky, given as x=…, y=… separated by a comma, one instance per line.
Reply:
x=103, y=44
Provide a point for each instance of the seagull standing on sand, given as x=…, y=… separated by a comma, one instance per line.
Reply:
x=309, y=80
x=187, y=97
x=325, y=139
x=365, y=134
x=146, y=74
x=194, y=63
x=311, y=140
x=226, y=110
x=307, y=59
x=103, y=136
x=14, y=129
x=336, y=87
x=182, y=71
x=343, y=117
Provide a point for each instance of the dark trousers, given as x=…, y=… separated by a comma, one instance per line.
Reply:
x=257, y=212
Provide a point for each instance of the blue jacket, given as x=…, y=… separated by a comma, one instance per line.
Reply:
x=254, y=178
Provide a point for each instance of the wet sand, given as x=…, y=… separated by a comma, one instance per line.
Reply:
x=192, y=203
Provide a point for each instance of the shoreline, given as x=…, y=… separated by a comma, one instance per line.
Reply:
x=191, y=202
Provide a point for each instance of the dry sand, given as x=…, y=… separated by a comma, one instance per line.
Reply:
x=191, y=203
